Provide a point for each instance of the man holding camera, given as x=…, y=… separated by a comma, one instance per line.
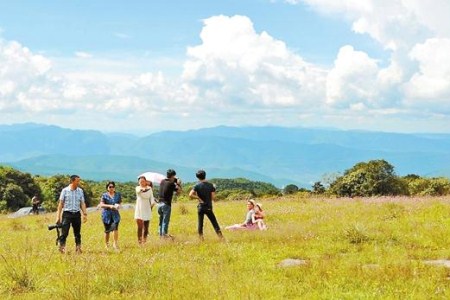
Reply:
x=167, y=187
x=71, y=205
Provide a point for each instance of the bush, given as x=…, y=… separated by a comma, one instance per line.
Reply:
x=374, y=178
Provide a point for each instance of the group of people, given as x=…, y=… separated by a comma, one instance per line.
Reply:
x=72, y=211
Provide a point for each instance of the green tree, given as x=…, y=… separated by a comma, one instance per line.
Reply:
x=52, y=187
x=419, y=186
x=16, y=188
x=290, y=189
x=254, y=188
x=126, y=189
x=373, y=178
x=14, y=196
x=318, y=188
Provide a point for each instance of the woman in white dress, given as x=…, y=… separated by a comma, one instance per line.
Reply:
x=143, y=211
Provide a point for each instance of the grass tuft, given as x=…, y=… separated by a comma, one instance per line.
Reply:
x=356, y=234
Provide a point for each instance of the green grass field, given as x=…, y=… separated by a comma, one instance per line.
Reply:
x=373, y=248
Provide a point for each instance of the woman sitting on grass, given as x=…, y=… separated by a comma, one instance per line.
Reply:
x=249, y=222
x=259, y=217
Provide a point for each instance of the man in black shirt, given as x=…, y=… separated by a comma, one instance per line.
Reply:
x=167, y=187
x=205, y=192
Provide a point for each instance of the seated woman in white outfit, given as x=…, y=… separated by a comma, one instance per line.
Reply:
x=249, y=222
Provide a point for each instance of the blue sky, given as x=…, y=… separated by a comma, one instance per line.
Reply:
x=144, y=66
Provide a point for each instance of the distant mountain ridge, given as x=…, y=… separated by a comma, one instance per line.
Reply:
x=278, y=155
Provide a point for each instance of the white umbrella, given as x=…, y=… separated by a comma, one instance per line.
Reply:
x=156, y=178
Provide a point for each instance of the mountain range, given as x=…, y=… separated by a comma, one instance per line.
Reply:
x=278, y=155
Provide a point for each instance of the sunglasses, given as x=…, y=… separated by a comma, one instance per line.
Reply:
x=111, y=187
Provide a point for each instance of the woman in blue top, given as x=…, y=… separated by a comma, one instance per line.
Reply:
x=110, y=202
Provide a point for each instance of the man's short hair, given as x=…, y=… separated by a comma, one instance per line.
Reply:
x=73, y=177
x=171, y=173
x=201, y=174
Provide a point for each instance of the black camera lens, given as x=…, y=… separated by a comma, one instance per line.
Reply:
x=53, y=226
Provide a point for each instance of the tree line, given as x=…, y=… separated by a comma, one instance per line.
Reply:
x=377, y=178
x=364, y=179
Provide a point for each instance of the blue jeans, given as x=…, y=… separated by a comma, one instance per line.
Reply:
x=164, y=211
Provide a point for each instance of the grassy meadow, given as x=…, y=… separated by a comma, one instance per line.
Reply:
x=373, y=248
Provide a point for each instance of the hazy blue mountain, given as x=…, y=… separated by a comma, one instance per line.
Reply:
x=29, y=140
x=272, y=154
x=119, y=168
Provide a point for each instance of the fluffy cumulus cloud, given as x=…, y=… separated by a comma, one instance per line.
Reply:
x=239, y=70
x=393, y=23
x=22, y=74
x=236, y=66
x=350, y=82
x=431, y=84
x=416, y=34
x=28, y=84
x=357, y=82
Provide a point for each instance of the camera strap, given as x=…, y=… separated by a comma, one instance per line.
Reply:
x=57, y=235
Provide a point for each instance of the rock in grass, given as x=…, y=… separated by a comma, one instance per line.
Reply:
x=438, y=262
x=292, y=262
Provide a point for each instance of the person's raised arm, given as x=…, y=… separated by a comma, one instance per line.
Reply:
x=179, y=188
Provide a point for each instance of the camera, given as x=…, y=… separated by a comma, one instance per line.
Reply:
x=58, y=234
x=53, y=226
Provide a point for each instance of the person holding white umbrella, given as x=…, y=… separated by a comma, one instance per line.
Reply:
x=153, y=177
x=143, y=210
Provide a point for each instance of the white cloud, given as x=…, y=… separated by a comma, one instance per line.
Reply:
x=393, y=23
x=21, y=72
x=432, y=14
x=416, y=33
x=236, y=66
x=29, y=84
x=431, y=83
x=353, y=79
x=357, y=81
x=236, y=69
